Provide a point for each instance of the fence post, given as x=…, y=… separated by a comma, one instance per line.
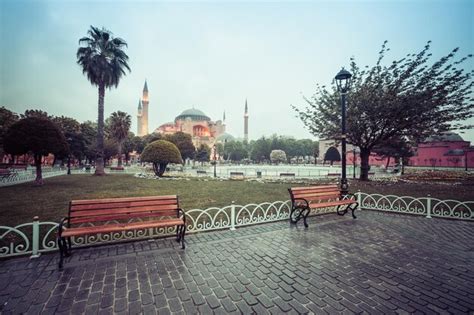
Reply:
x=35, y=242
x=359, y=200
x=428, y=206
x=232, y=216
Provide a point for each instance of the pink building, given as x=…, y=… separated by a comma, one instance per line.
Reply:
x=446, y=150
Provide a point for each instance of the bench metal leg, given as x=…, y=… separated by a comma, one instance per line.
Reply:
x=353, y=209
x=343, y=212
x=178, y=233
x=61, y=252
x=182, y=236
x=308, y=210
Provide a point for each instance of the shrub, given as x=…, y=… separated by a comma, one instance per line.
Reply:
x=278, y=156
x=160, y=153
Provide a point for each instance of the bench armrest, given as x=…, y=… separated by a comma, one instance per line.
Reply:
x=350, y=197
x=62, y=224
x=184, y=214
x=296, y=203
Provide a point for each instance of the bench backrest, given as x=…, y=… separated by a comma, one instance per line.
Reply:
x=122, y=209
x=315, y=193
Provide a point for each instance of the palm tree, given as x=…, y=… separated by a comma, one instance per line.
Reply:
x=120, y=123
x=103, y=62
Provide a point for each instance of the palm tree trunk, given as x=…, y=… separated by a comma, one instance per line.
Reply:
x=99, y=161
x=119, y=154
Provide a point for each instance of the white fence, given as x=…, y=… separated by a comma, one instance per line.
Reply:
x=28, y=176
x=37, y=237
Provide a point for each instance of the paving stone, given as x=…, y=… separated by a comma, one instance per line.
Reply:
x=120, y=305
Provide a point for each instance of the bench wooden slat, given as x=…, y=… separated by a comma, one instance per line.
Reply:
x=118, y=200
x=151, y=210
x=326, y=187
x=120, y=227
x=304, y=194
x=120, y=217
x=81, y=207
x=330, y=204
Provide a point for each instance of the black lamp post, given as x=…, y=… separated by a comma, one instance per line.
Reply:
x=69, y=156
x=343, y=82
x=215, y=160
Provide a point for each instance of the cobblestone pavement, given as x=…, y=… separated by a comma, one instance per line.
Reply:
x=377, y=264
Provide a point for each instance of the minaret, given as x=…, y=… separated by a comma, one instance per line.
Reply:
x=139, y=119
x=145, y=110
x=246, y=122
x=223, y=119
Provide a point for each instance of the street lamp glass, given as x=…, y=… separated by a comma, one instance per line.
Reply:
x=343, y=80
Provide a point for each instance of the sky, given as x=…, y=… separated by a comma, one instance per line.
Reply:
x=214, y=55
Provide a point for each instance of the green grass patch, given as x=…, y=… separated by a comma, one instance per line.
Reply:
x=20, y=203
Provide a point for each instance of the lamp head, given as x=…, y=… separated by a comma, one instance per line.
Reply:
x=343, y=81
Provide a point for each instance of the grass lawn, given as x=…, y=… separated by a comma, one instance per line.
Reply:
x=20, y=203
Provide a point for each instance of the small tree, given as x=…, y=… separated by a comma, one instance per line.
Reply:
x=203, y=153
x=7, y=118
x=332, y=155
x=278, y=156
x=39, y=136
x=184, y=143
x=160, y=153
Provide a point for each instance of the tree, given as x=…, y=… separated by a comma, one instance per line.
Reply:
x=184, y=142
x=152, y=137
x=278, y=156
x=39, y=136
x=160, y=153
x=138, y=144
x=120, y=123
x=103, y=61
x=332, y=155
x=396, y=148
x=261, y=150
x=408, y=98
x=236, y=150
x=89, y=132
x=203, y=153
x=128, y=146
x=7, y=119
x=71, y=129
x=36, y=113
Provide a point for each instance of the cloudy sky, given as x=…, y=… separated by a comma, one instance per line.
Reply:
x=214, y=55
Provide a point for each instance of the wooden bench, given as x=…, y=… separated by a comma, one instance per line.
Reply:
x=333, y=174
x=237, y=175
x=304, y=199
x=201, y=172
x=287, y=174
x=115, y=215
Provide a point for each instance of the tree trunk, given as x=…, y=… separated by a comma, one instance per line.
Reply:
x=159, y=168
x=388, y=162
x=99, y=161
x=119, y=154
x=364, y=164
x=39, y=175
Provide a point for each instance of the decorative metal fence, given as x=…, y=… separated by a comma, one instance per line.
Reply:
x=37, y=237
x=28, y=176
x=425, y=206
